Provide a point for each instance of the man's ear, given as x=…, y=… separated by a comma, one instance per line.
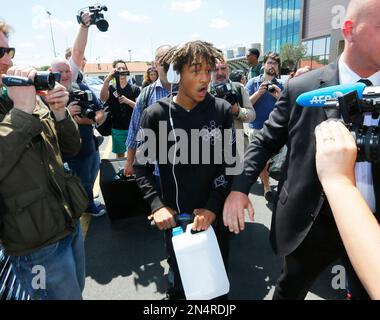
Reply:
x=348, y=26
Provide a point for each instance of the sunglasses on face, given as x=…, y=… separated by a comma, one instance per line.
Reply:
x=10, y=51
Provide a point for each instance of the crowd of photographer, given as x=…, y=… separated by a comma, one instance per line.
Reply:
x=47, y=141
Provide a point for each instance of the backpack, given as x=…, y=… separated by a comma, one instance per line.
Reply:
x=145, y=94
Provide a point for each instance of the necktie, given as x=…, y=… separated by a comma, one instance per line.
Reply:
x=367, y=82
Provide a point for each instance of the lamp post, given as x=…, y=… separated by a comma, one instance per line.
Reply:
x=51, y=31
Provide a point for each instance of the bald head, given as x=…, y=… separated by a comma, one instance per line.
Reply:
x=160, y=51
x=63, y=67
x=362, y=37
x=58, y=62
x=360, y=9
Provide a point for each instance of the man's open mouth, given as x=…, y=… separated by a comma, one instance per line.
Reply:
x=202, y=91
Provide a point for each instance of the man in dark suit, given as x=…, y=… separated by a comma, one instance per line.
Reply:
x=303, y=229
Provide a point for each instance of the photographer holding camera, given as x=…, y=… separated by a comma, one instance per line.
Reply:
x=121, y=99
x=86, y=110
x=303, y=230
x=358, y=228
x=264, y=92
x=237, y=96
x=41, y=204
x=86, y=17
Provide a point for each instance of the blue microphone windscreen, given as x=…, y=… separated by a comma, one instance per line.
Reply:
x=317, y=98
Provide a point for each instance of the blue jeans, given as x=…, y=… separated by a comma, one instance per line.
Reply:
x=86, y=169
x=55, y=272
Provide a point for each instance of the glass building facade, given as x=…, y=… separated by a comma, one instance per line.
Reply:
x=282, y=23
x=318, y=52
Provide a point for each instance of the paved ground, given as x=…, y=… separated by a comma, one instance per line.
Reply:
x=126, y=259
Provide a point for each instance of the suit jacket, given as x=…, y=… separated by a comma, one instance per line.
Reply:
x=300, y=197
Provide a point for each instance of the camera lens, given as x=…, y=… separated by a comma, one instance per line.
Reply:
x=102, y=25
x=44, y=81
x=89, y=113
x=368, y=142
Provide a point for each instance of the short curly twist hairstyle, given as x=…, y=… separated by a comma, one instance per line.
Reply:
x=189, y=53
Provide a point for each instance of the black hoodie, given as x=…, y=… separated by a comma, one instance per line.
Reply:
x=200, y=186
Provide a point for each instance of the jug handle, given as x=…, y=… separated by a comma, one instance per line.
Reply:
x=189, y=230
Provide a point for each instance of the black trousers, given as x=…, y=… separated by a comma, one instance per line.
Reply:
x=321, y=247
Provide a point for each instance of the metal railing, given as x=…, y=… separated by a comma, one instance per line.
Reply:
x=10, y=287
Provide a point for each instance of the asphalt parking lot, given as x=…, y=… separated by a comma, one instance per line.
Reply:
x=126, y=259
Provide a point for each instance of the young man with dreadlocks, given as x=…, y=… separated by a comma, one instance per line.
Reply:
x=188, y=186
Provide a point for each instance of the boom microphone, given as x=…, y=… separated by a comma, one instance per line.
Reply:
x=320, y=98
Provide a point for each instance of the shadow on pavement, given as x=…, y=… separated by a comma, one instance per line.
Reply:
x=125, y=248
x=132, y=249
x=254, y=268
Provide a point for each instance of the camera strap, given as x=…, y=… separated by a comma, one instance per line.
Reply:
x=146, y=95
x=237, y=90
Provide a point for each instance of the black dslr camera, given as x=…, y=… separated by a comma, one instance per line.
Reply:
x=85, y=101
x=367, y=137
x=97, y=18
x=225, y=91
x=271, y=84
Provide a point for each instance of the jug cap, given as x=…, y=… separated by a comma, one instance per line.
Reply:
x=177, y=231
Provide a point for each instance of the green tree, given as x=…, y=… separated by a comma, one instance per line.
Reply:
x=43, y=68
x=291, y=55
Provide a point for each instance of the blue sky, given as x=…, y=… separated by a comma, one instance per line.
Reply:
x=139, y=25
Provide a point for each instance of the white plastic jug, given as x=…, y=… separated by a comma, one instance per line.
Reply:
x=200, y=264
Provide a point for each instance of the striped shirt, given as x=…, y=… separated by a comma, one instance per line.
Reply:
x=158, y=93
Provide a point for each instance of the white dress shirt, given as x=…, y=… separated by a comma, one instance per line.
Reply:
x=363, y=170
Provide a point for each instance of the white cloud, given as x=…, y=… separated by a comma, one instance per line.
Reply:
x=219, y=24
x=132, y=17
x=223, y=46
x=39, y=37
x=41, y=20
x=26, y=45
x=186, y=6
x=63, y=24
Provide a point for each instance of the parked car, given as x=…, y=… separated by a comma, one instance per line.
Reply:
x=95, y=84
